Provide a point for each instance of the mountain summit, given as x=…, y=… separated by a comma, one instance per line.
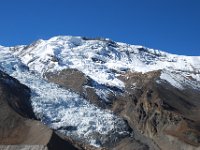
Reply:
x=108, y=94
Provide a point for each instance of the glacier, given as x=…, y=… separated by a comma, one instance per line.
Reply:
x=63, y=110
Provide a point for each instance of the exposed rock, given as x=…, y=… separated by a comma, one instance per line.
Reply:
x=165, y=114
x=68, y=78
x=131, y=144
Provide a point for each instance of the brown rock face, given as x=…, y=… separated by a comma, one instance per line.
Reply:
x=68, y=78
x=15, y=126
x=161, y=112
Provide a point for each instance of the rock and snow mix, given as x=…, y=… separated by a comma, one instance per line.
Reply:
x=102, y=60
x=63, y=110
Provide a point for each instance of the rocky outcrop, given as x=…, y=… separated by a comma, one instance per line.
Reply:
x=161, y=112
x=69, y=78
x=17, y=129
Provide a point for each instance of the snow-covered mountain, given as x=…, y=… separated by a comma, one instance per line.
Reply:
x=102, y=61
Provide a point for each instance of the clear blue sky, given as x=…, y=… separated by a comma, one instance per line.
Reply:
x=169, y=25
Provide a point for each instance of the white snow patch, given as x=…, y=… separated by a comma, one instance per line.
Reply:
x=181, y=80
x=171, y=79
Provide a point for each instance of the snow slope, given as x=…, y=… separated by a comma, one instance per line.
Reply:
x=181, y=80
x=101, y=59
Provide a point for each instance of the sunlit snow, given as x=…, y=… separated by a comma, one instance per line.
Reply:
x=102, y=60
